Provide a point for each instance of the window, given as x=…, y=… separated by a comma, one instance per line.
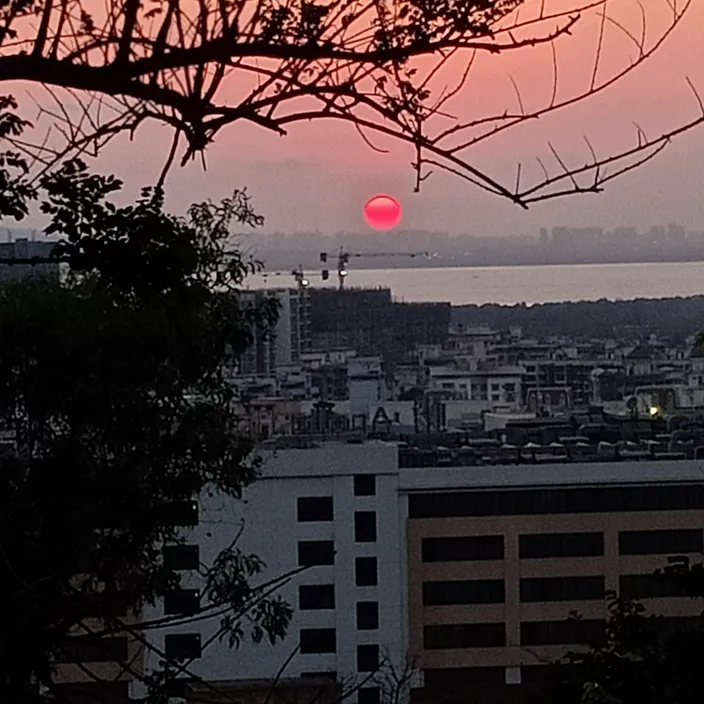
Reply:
x=562, y=588
x=364, y=485
x=660, y=542
x=318, y=640
x=182, y=602
x=181, y=557
x=314, y=508
x=531, y=502
x=92, y=649
x=561, y=545
x=463, y=549
x=570, y=632
x=367, y=658
x=478, y=591
x=365, y=572
x=649, y=586
x=180, y=513
x=369, y=695
x=182, y=646
x=365, y=526
x=93, y=604
x=459, y=678
x=464, y=635
x=321, y=675
x=316, y=596
x=93, y=692
x=367, y=615
x=316, y=552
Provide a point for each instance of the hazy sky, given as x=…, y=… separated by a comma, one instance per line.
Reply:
x=318, y=177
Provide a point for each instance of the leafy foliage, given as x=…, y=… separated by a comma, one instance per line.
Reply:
x=15, y=191
x=114, y=406
x=642, y=658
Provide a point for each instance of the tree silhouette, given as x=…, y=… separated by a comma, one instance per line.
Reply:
x=115, y=414
x=389, y=67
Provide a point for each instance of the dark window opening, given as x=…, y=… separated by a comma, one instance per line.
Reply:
x=463, y=549
x=457, y=679
x=660, y=542
x=316, y=596
x=365, y=526
x=570, y=632
x=464, y=635
x=531, y=502
x=93, y=692
x=182, y=646
x=182, y=602
x=182, y=557
x=365, y=572
x=369, y=695
x=562, y=589
x=649, y=586
x=318, y=640
x=315, y=508
x=92, y=649
x=321, y=675
x=367, y=658
x=561, y=545
x=179, y=513
x=364, y=485
x=479, y=591
x=316, y=552
x=367, y=615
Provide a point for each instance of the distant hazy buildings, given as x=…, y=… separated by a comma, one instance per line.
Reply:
x=557, y=245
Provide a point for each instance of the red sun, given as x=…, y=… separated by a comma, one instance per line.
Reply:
x=382, y=212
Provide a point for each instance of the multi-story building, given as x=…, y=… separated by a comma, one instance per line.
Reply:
x=25, y=250
x=498, y=559
x=284, y=343
x=469, y=572
x=335, y=510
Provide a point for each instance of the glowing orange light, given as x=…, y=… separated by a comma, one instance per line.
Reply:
x=382, y=212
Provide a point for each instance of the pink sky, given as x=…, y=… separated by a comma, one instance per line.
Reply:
x=319, y=177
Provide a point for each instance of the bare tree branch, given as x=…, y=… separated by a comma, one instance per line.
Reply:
x=375, y=64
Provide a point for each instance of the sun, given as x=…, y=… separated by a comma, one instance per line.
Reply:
x=382, y=212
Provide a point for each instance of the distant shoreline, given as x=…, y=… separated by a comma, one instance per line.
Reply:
x=439, y=263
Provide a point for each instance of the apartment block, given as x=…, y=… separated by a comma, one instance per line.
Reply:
x=330, y=514
x=469, y=572
x=500, y=557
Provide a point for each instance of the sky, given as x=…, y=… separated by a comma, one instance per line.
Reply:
x=319, y=176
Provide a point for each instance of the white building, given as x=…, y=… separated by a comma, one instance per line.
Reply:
x=287, y=340
x=337, y=506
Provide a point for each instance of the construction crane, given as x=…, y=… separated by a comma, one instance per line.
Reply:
x=343, y=259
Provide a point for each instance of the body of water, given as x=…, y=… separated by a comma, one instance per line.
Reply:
x=518, y=284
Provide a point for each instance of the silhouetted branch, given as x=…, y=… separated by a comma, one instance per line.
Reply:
x=312, y=60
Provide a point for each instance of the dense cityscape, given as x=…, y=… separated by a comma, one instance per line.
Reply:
x=351, y=352
x=445, y=496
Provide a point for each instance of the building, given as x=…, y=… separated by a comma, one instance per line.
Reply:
x=499, y=558
x=302, y=690
x=333, y=509
x=287, y=340
x=25, y=251
x=371, y=323
x=468, y=571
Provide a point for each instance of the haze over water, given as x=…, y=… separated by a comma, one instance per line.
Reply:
x=519, y=284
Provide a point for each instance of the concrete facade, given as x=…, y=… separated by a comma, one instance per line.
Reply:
x=270, y=528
